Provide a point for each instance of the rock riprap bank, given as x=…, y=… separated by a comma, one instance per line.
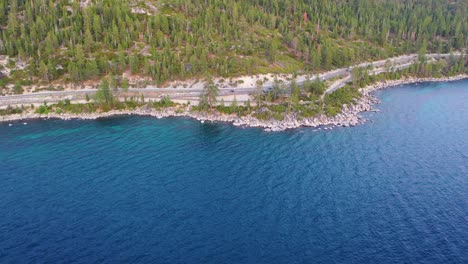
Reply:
x=349, y=116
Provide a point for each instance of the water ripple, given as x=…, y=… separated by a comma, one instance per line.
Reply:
x=142, y=190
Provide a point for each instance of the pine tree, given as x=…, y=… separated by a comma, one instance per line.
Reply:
x=103, y=94
x=124, y=84
x=44, y=71
x=210, y=91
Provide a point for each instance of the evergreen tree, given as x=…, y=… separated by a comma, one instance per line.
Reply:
x=210, y=92
x=103, y=94
x=238, y=37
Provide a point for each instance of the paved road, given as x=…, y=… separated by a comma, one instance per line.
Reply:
x=397, y=63
x=181, y=93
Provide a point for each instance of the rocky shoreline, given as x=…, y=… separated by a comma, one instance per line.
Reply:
x=350, y=115
x=390, y=83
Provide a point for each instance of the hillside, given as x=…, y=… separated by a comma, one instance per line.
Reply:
x=51, y=41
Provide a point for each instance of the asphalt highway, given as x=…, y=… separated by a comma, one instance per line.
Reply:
x=344, y=75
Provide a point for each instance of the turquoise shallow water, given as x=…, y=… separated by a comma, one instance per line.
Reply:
x=142, y=190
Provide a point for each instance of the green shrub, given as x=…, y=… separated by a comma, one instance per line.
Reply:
x=18, y=88
x=43, y=110
x=11, y=110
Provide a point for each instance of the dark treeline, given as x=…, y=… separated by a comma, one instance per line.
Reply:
x=180, y=39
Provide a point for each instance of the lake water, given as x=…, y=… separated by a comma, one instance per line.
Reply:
x=143, y=190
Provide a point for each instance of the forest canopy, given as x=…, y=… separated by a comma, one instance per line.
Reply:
x=165, y=40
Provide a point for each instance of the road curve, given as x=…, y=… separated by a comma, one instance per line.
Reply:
x=378, y=67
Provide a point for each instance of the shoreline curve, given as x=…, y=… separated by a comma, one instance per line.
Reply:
x=350, y=115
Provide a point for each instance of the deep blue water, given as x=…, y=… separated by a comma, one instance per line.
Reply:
x=142, y=190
